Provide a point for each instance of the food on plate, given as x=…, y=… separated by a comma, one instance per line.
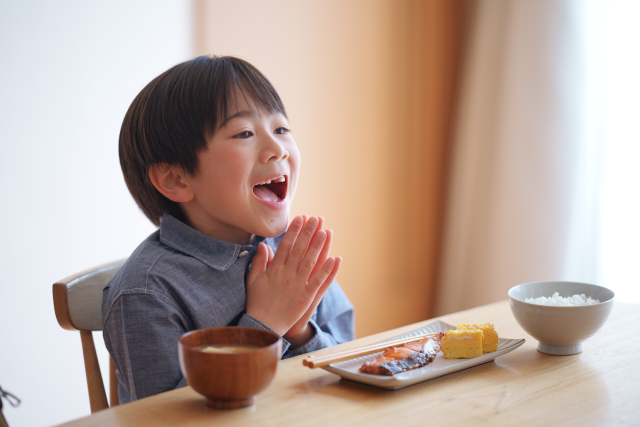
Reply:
x=409, y=356
x=557, y=300
x=462, y=344
x=469, y=340
x=489, y=335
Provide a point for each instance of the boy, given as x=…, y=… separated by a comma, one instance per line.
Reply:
x=206, y=152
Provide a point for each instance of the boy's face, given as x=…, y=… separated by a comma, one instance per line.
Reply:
x=246, y=177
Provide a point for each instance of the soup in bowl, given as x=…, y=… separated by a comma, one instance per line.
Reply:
x=229, y=365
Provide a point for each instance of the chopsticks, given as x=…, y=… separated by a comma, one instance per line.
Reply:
x=327, y=359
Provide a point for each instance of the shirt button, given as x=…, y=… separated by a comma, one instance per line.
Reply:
x=243, y=253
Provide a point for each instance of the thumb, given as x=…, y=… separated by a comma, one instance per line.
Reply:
x=271, y=255
x=258, y=264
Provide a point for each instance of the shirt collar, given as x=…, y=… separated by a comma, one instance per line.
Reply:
x=215, y=253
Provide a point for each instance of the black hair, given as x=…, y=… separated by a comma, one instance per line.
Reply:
x=173, y=117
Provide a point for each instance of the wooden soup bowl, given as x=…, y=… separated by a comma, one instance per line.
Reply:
x=229, y=381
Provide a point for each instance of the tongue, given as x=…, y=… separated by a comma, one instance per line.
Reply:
x=264, y=193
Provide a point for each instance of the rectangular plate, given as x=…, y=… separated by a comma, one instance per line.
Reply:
x=440, y=366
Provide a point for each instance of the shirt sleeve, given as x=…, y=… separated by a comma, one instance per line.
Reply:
x=251, y=322
x=141, y=332
x=333, y=322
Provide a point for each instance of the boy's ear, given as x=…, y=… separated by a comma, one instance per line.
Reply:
x=170, y=180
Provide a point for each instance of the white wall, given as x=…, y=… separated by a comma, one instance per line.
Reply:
x=68, y=72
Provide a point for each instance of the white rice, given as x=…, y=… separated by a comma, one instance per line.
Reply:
x=558, y=301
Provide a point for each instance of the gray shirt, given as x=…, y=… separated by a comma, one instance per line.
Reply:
x=179, y=280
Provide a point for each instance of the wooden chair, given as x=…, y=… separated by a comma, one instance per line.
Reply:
x=78, y=304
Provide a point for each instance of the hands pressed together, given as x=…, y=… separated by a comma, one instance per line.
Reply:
x=284, y=289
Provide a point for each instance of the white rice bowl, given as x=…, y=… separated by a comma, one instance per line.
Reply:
x=566, y=319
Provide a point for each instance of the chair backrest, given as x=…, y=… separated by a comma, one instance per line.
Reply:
x=77, y=301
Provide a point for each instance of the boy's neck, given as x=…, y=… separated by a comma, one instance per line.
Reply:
x=220, y=231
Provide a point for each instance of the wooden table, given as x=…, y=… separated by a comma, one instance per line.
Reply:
x=600, y=386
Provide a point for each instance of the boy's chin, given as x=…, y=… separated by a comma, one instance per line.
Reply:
x=274, y=229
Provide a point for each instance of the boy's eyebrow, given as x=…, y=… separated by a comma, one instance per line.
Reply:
x=243, y=113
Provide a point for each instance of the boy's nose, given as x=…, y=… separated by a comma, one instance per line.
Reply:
x=273, y=150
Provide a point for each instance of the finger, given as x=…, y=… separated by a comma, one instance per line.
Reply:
x=319, y=293
x=325, y=277
x=327, y=283
x=319, y=227
x=310, y=260
x=324, y=255
x=259, y=263
x=311, y=257
x=302, y=243
x=336, y=268
x=305, y=218
x=321, y=282
x=270, y=258
x=290, y=237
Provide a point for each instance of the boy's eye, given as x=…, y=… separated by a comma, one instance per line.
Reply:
x=281, y=130
x=244, y=135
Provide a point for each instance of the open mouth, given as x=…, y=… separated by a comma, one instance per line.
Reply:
x=271, y=190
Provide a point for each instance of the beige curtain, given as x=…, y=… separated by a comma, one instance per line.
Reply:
x=521, y=202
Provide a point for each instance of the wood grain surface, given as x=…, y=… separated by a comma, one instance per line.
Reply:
x=524, y=387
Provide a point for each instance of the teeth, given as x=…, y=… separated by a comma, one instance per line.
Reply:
x=269, y=181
